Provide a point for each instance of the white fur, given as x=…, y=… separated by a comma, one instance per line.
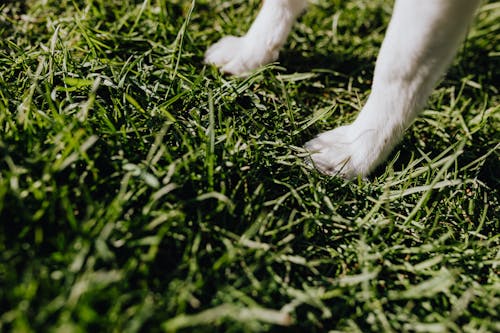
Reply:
x=263, y=41
x=420, y=42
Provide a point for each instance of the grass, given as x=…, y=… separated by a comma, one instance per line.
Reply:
x=141, y=190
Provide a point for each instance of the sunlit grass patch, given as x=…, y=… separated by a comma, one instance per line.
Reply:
x=141, y=190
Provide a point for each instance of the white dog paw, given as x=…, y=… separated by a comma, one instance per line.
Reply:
x=343, y=152
x=239, y=55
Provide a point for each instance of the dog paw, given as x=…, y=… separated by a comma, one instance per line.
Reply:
x=343, y=152
x=239, y=55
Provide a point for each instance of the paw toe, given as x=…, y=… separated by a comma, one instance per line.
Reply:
x=331, y=154
x=222, y=52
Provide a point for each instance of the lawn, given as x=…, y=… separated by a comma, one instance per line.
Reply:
x=143, y=191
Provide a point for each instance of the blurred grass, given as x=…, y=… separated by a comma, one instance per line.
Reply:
x=142, y=191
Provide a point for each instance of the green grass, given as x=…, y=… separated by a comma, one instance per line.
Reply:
x=141, y=190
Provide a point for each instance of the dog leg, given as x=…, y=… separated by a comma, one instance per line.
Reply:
x=263, y=41
x=420, y=42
